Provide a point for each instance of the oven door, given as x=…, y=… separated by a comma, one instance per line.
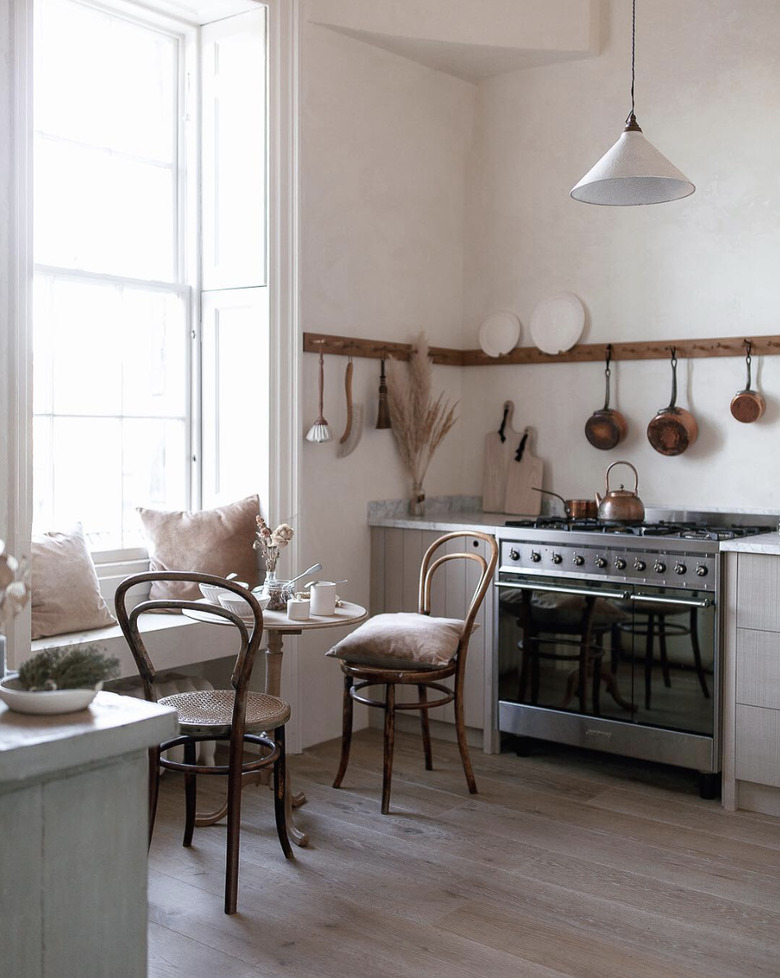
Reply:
x=645, y=656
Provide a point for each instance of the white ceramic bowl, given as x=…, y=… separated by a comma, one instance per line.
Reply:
x=15, y=697
x=240, y=607
x=211, y=592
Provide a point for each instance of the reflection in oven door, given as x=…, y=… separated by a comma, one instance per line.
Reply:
x=641, y=657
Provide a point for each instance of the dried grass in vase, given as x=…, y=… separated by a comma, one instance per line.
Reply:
x=418, y=422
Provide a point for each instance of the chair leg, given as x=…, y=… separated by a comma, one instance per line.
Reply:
x=235, y=784
x=387, y=770
x=463, y=747
x=154, y=787
x=662, y=649
x=346, y=732
x=190, y=793
x=697, y=654
x=426, y=728
x=280, y=792
x=649, y=659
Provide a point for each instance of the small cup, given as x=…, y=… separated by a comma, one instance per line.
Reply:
x=323, y=598
x=298, y=609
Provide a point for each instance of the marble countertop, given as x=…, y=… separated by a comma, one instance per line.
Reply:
x=764, y=543
x=34, y=747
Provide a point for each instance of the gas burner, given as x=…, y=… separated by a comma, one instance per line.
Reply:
x=681, y=530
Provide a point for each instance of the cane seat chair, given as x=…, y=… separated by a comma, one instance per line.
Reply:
x=415, y=650
x=235, y=716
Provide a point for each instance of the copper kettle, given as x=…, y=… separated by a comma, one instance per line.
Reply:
x=620, y=505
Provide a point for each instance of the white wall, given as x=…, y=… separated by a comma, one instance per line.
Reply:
x=383, y=154
x=708, y=86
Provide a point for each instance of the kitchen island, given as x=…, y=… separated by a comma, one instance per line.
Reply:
x=73, y=837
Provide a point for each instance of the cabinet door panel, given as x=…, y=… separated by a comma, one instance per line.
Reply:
x=758, y=668
x=758, y=745
x=758, y=585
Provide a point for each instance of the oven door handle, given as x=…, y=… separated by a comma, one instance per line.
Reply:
x=663, y=599
x=558, y=589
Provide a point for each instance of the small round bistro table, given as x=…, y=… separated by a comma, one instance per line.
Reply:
x=277, y=625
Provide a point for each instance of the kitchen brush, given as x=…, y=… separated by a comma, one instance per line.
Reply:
x=319, y=431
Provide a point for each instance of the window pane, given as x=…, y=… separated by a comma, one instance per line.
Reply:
x=111, y=314
x=103, y=81
x=103, y=213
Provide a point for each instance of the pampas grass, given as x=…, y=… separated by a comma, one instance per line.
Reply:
x=419, y=423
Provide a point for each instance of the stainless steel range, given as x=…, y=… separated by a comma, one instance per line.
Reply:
x=609, y=637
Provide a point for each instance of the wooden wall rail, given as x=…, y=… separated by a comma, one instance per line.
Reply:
x=582, y=353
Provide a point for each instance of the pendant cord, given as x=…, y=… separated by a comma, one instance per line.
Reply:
x=633, y=53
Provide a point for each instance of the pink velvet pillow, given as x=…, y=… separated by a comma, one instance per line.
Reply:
x=402, y=640
x=211, y=541
x=65, y=591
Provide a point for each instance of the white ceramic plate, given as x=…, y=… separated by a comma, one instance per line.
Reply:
x=557, y=323
x=499, y=334
x=22, y=700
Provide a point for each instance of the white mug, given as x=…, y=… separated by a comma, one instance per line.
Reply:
x=298, y=609
x=323, y=598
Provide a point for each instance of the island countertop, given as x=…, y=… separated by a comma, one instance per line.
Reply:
x=34, y=746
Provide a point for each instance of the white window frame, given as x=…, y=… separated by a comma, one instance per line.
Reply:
x=285, y=423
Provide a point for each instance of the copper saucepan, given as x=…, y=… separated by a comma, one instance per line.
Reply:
x=606, y=428
x=574, y=509
x=673, y=429
x=748, y=405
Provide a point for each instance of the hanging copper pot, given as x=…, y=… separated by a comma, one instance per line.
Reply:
x=748, y=405
x=673, y=429
x=606, y=428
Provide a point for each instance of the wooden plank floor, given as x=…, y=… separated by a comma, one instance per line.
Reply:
x=566, y=865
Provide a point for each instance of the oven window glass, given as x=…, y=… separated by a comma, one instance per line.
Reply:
x=648, y=661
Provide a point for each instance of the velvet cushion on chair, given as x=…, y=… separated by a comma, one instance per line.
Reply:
x=65, y=591
x=212, y=541
x=402, y=640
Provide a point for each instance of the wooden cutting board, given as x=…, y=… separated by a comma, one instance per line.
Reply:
x=499, y=449
x=525, y=472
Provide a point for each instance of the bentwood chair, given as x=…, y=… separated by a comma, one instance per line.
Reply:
x=236, y=716
x=415, y=650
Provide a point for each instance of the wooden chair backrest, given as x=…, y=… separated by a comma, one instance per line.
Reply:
x=128, y=611
x=431, y=563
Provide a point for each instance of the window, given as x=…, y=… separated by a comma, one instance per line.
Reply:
x=119, y=372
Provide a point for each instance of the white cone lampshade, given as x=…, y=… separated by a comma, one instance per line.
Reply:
x=632, y=172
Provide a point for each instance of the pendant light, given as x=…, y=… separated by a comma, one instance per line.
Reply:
x=632, y=171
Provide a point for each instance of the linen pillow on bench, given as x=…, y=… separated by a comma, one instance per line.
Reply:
x=212, y=541
x=65, y=590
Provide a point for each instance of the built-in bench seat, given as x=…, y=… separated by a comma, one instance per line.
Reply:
x=176, y=641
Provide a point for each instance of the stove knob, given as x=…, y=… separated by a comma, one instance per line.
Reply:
x=659, y=567
x=514, y=555
x=535, y=556
x=701, y=570
x=601, y=562
x=639, y=565
x=578, y=560
x=557, y=559
x=620, y=564
x=680, y=568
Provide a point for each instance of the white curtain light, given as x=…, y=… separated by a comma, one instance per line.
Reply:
x=632, y=171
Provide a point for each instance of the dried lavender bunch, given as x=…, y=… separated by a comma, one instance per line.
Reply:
x=75, y=667
x=419, y=423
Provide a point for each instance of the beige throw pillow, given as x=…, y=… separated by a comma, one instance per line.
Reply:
x=212, y=541
x=65, y=591
x=402, y=640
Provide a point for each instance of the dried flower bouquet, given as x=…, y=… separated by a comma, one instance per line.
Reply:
x=419, y=422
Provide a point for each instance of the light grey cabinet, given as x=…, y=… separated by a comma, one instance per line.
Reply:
x=395, y=572
x=751, y=763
